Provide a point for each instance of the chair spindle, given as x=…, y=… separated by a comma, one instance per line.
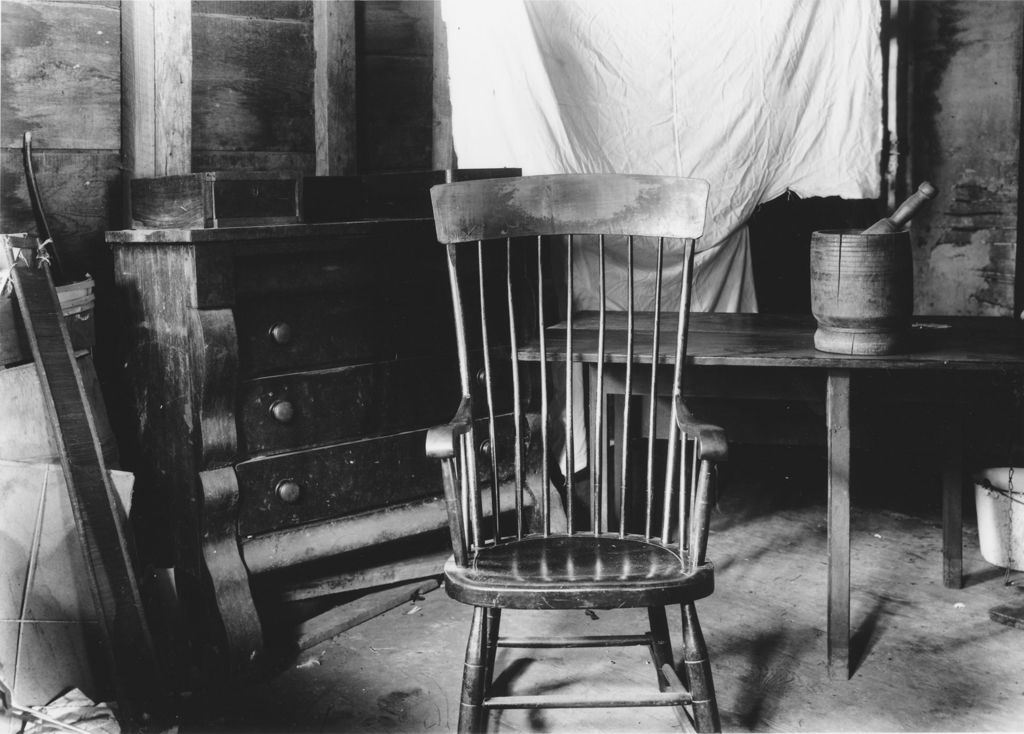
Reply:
x=675, y=440
x=653, y=414
x=545, y=483
x=471, y=498
x=492, y=438
x=570, y=445
x=599, y=458
x=628, y=399
x=517, y=411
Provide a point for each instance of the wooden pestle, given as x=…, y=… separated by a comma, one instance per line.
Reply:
x=899, y=218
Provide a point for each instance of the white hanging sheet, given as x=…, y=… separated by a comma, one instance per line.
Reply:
x=756, y=96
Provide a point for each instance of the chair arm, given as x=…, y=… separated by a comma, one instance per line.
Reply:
x=442, y=441
x=711, y=440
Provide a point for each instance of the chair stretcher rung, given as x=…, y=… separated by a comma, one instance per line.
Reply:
x=583, y=641
x=576, y=702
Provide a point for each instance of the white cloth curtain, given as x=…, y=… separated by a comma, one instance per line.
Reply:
x=756, y=96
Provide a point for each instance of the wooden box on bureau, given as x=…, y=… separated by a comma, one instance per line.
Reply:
x=283, y=377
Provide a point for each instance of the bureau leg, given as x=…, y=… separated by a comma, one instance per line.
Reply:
x=228, y=574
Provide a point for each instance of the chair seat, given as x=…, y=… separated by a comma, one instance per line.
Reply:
x=576, y=572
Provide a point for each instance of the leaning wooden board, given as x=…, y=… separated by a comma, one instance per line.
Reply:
x=99, y=516
x=284, y=377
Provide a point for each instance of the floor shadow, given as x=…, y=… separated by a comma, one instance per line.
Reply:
x=502, y=686
x=984, y=576
x=768, y=677
x=864, y=637
x=503, y=682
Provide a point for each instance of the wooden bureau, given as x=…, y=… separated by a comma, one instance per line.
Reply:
x=283, y=377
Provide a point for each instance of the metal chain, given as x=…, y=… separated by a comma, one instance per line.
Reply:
x=1009, y=526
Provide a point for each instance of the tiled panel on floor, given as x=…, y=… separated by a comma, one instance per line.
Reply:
x=56, y=656
x=21, y=489
x=44, y=587
x=8, y=645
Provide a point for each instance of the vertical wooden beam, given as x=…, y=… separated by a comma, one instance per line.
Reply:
x=156, y=82
x=137, y=88
x=172, y=21
x=838, y=423
x=334, y=86
x=443, y=155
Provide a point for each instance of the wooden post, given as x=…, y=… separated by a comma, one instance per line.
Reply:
x=137, y=88
x=334, y=87
x=156, y=85
x=443, y=156
x=838, y=423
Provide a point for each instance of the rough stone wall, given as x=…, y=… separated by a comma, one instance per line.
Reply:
x=965, y=138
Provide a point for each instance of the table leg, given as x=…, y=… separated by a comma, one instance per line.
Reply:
x=952, y=504
x=838, y=425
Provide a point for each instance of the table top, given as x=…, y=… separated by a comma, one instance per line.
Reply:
x=786, y=340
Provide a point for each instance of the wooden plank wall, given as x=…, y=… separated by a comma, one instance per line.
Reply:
x=252, y=85
x=61, y=80
x=252, y=103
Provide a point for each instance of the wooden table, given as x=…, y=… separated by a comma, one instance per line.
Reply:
x=742, y=347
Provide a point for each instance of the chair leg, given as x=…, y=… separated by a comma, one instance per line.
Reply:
x=698, y=669
x=471, y=711
x=661, y=642
x=491, y=623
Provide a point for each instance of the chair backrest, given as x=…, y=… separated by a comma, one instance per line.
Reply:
x=517, y=430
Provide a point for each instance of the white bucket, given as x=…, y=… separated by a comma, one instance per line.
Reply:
x=1001, y=516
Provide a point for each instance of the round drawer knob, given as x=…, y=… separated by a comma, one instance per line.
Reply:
x=288, y=491
x=282, y=411
x=481, y=377
x=485, y=448
x=281, y=333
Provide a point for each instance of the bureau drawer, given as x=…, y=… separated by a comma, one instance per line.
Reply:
x=380, y=300
x=305, y=486
x=290, y=411
x=300, y=487
x=355, y=264
x=314, y=329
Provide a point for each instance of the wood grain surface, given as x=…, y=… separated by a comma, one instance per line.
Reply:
x=61, y=62
x=253, y=83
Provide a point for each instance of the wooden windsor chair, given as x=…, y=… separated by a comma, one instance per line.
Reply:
x=522, y=538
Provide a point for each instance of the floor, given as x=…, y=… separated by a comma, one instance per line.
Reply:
x=926, y=658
